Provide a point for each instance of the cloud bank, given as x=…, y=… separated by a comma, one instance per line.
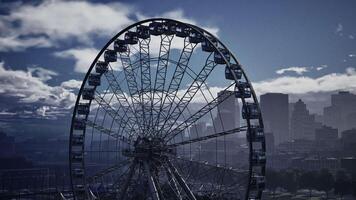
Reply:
x=30, y=87
x=82, y=57
x=298, y=70
x=301, y=85
x=51, y=22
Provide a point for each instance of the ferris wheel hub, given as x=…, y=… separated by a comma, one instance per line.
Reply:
x=147, y=148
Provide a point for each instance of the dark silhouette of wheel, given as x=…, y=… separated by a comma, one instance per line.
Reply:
x=139, y=123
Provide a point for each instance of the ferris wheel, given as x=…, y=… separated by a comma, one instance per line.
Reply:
x=158, y=117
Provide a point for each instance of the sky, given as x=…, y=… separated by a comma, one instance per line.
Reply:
x=304, y=48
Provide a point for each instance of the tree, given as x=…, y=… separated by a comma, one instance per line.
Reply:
x=353, y=184
x=325, y=181
x=290, y=181
x=342, y=184
x=308, y=180
x=272, y=180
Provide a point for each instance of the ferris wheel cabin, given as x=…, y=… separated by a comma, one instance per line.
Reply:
x=258, y=158
x=182, y=30
x=110, y=56
x=143, y=32
x=207, y=46
x=101, y=67
x=79, y=124
x=195, y=37
x=235, y=69
x=169, y=28
x=155, y=28
x=258, y=182
x=219, y=59
x=94, y=79
x=242, y=90
x=256, y=134
x=131, y=37
x=88, y=93
x=120, y=46
x=83, y=108
x=78, y=140
x=250, y=111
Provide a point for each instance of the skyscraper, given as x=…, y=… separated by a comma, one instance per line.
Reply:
x=228, y=116
x=198, y=129
x=275, y=114
x=302, y=122
x=326, y=138
x=341, y=112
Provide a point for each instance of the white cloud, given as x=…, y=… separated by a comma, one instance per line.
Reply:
x=339, y=29
x=351, y=37
x=302, y=85
x=298, y=70
x=71, y=84
x=12, y=43
x=49, y=22
x=177, y=43
x=179, y=15
x=41, y=111
x=31, y=87
x=83, y=57
x=321, y=67
x=41, y=73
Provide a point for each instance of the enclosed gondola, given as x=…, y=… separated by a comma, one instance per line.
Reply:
x=233, y=71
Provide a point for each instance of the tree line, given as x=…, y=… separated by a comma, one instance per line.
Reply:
x=340, y=183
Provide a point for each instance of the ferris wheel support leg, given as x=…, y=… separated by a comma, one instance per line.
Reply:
x=174, y=183
x=152, y=185
x=180, y=180
x=128, y=180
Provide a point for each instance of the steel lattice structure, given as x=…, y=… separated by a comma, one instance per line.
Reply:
x=135, y=128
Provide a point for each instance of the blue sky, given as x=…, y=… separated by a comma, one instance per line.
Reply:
x=304, y=48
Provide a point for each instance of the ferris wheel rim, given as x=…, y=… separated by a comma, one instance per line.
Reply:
x=195, y=28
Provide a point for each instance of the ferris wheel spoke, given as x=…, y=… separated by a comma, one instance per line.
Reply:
x=180, y=180
x=173, y=183
x=208, y=137
x=238, y=174
x=199, y=114
x=108, y=132
x=176, y=80
x=132, y=87
x=126, y=184
x=119, y=94
x=146, y=93
x=183, y=115
x=204, y=170
x=107, y=170
x=189, y=94
x=192, y=75
x=121, y=121
x=155, y=194
x=208, y=165
x=160, y=79
x=189, y=113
